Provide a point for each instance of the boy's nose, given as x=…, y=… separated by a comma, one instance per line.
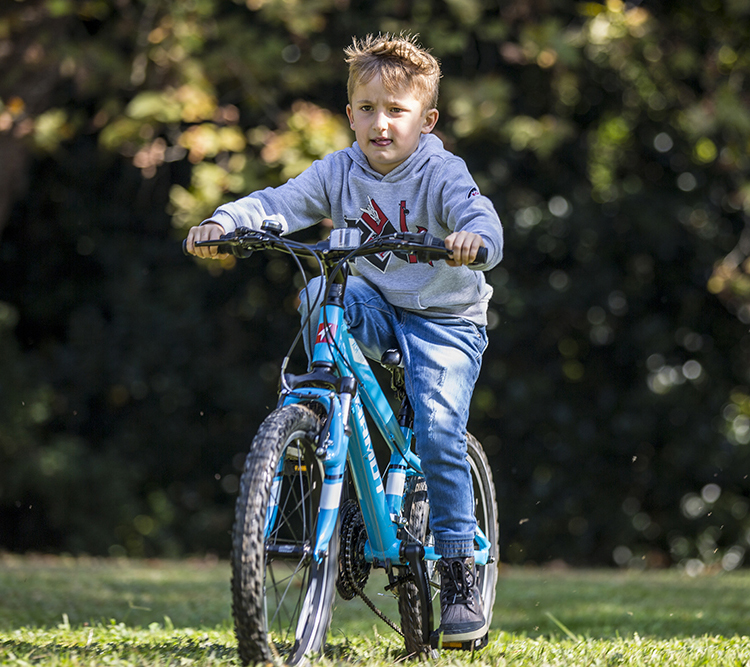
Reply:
x=380, y=122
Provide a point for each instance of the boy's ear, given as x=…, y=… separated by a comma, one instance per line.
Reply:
x=430, y=120
x=350, y=115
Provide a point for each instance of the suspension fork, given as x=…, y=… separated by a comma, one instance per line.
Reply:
x=331, y=450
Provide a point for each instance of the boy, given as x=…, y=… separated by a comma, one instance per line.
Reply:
x=398, y=176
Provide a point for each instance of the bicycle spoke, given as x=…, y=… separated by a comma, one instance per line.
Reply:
x=281, y=598
x=283, y=515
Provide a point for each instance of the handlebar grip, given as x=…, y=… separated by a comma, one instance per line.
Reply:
x=429, y=240
x=224, y=249
x=481, y=257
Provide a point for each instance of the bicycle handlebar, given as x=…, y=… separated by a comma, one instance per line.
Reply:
x=243, y=241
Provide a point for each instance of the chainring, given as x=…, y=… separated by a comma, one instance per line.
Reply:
x=353, y=568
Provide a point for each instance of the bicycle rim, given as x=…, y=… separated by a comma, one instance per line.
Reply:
x=485, y=510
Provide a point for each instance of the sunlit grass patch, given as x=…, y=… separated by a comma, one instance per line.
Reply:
x=116, y=644
x=66, y=612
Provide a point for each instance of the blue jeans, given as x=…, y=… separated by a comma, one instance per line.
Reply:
x=442, y=357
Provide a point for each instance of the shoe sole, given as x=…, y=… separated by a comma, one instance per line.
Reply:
x=463, y=636
x=437, y=642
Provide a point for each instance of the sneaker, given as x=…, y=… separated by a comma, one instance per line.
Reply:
x=461, y=609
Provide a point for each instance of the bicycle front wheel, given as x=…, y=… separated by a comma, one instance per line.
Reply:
x=281, y=597
x=416, y=514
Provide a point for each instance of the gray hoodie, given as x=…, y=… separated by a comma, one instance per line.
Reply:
x=431, y=191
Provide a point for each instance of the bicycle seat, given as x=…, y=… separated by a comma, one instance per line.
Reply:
x=391, y=358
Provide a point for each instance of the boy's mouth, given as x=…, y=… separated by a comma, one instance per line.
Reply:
x=382, y=141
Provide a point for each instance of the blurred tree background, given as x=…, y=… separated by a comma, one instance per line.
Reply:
x=613, y=139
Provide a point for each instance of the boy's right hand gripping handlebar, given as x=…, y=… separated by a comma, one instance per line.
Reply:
x=221, y=248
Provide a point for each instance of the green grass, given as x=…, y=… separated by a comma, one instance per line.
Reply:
x=74, y=612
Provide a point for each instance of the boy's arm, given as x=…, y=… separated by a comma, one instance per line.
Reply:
x=298, y=203
x=469, y=216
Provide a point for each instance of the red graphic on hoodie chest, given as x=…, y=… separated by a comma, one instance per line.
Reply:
x=374, y=222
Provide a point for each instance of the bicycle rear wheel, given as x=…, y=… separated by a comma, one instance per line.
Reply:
x=416, y=513
x=281, y=598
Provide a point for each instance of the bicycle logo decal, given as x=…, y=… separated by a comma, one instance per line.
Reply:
x=369, y=451
x=321, y=337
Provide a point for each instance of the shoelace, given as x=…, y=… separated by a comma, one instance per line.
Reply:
x=458, y=582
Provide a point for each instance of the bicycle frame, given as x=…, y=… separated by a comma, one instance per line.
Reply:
x=348, y=437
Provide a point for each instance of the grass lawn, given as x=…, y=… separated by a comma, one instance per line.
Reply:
x=74, y=612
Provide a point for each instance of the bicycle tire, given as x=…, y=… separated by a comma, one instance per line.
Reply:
x=416, y=512
x=282, y=607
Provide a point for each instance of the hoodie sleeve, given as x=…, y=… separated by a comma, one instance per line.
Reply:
x=461, y=207
x=300, y=202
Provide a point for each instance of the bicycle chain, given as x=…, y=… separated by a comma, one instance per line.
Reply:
x=377, y=611
x=348, y=584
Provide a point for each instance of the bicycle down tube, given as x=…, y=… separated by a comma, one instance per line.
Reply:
x=334, y=345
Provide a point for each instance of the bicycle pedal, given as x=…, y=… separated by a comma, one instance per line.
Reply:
x=436, y=642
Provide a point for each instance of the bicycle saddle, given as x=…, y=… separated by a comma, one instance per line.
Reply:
x=391, y=358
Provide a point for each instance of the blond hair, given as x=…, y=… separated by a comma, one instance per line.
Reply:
x=401, y=63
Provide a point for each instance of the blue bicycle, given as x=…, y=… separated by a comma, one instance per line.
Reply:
x=313, y=514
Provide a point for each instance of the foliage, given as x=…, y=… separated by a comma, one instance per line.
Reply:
x=612, y=138
x=75, y=612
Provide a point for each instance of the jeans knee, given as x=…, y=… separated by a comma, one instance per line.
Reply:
x=311, y=296
x=310, y=301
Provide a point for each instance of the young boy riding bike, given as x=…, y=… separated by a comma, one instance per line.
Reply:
x=398, y=177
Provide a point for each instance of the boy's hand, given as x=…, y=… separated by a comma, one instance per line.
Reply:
x=211, y=231
x=465, y=246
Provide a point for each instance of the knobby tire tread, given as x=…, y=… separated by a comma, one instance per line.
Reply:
x=248, y=552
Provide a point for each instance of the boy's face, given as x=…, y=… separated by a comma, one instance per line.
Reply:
x=387, y=125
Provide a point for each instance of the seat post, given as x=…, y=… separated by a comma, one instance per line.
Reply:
x=391, y=360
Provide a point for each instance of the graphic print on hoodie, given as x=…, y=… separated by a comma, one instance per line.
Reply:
x=374, y=223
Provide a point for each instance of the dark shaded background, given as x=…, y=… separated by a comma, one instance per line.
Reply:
x=613, y=140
